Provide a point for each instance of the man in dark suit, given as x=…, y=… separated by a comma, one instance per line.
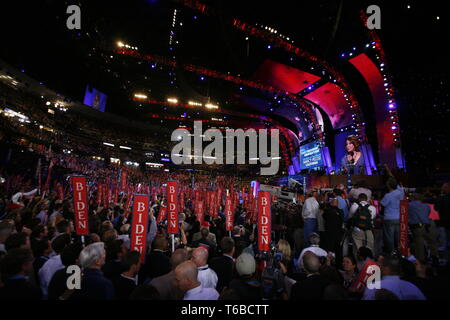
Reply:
x=224, y=265
x=115, y=251
x=126, y=282
x=157, y=263
x=166, y=285
x=94, y=285
x=314, y=285
x=17, y=266
x=41, y=251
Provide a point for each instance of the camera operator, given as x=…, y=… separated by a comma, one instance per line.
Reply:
x=284, y=256
x=272, y=277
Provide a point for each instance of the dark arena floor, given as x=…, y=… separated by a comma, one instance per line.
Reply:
x=242, y=154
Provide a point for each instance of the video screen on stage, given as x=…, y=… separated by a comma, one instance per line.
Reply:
x=95, y=99
x=310, y=156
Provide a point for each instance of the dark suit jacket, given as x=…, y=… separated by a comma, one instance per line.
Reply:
x=156, y=264
x=94, y=286
x=123, y=287
x=37, y=265
x=244, y=290
x=58, y=285
x=112, y=269
x=312, y=288
x=19, y=289
x=224, y=267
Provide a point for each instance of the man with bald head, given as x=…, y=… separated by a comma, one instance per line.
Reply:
x=165, y=285
x=314, y=285
x=206, y=275
x=186, y=280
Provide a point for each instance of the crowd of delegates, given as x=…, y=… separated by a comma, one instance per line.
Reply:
x=72, y=129
x=319, y=247
x=321, y=244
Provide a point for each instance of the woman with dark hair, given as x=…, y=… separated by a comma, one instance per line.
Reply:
x=349, y=272
x=353, y=161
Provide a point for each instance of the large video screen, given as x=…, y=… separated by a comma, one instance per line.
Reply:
x=310, y=156
x=95, y=99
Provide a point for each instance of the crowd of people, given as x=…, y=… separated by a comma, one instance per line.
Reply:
x=320, y=244
x=72, y=129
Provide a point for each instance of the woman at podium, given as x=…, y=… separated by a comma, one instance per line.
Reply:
x=353, y=161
